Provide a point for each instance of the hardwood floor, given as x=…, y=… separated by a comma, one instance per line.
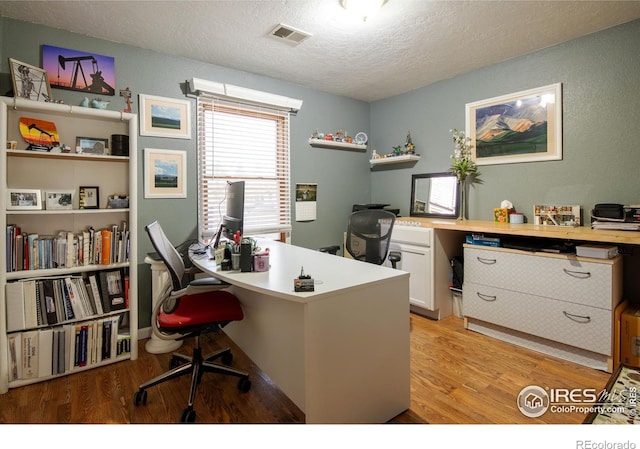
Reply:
x=457, y=376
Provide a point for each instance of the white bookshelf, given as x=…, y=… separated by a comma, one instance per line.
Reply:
x=49, y=171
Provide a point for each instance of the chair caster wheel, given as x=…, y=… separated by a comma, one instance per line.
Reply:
x=140, y=397
x=226, y=358
x=244, y=384
x=188, y=415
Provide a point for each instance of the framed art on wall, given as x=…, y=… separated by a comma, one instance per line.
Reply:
x=29, y=82
x=520, y=127
x=165, y=173
x=79, y=71
x=165, y=117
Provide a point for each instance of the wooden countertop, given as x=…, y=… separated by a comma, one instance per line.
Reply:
x=583, y=233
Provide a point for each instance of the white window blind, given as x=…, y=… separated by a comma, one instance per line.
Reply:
x=240, y=142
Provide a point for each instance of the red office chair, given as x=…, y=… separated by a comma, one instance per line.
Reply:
x=188, y=311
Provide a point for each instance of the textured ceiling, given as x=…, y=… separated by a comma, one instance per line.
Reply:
x=409, y=44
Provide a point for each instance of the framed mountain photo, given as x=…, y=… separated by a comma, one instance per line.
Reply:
x=520, y=127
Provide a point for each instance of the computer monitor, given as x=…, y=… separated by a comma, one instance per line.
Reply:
x=232, y=220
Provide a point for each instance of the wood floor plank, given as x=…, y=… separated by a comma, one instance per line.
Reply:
x=457, y=376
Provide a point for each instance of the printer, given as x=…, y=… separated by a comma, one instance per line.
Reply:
x=357, y=207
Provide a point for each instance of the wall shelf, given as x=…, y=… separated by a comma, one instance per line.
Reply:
x=394, y=159
x=321, y=143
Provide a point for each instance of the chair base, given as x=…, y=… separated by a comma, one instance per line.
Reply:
x=196, y=366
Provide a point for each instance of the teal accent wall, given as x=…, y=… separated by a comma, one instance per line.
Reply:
x=600, y=75
x=343, y=177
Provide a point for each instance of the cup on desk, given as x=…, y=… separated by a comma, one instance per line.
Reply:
x=235, y=261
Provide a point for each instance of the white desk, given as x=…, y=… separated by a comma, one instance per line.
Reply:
x=340, y=353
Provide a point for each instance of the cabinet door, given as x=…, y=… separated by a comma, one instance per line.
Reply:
x=417, y=261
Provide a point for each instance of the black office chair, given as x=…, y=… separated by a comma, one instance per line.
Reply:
x=369, y=235
x=188, y=310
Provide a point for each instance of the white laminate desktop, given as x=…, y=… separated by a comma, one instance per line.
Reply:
x=340, y=353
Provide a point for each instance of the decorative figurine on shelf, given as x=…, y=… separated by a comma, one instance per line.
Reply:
x=409, y=147
x=339, y=135
x=126, y=94
x=98, y=103
x=397, y=151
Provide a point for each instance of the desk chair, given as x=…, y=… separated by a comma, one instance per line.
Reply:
x=188, y=310
x=369, y=235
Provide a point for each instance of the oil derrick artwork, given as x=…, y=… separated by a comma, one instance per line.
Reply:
x=77, y=70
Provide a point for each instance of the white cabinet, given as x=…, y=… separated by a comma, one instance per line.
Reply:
x=558, y=304
x=425, y=255
x=45, y=171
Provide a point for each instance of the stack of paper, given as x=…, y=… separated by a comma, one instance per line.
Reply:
x=619, y=225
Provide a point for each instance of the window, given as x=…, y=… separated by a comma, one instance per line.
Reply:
x=243, y=142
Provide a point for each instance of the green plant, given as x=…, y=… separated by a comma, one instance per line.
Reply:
x=462, y=163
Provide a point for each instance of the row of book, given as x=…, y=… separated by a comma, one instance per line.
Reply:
x=39, y=302
x=57, y=350
x=31, y=251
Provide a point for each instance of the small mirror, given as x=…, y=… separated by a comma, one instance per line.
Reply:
x=434, y=195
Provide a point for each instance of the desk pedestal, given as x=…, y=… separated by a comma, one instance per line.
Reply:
x=159, y=277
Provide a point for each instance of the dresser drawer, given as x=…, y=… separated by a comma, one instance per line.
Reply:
x=566, y=278
x=573, y=324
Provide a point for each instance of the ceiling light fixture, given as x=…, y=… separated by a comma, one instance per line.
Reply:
x=363, y=9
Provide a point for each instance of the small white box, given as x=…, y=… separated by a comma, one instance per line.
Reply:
x=597, y=251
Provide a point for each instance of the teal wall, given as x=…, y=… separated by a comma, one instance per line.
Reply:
x=601, y=125
x=600, y=76
x=343, y=177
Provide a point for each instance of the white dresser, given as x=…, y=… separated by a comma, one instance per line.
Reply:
x=558, y=304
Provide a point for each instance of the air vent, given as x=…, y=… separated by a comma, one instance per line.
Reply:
x=290, y=34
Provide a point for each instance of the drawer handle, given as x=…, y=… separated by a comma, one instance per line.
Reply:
x=578, y=274
x=577, y=318
x=488, y=298
x=486, y=261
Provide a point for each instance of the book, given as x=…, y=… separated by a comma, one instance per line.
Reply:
x=70, y=259
x=49, y=301
x=105, y=254
x=62, y=344
x=104, y=292
x=15, y=356
x=74, y=299
x=45, y=352
x=95, y=290
x=115, y=289
x=64, y=293
x=30, y=309
x=32, y=242
x=14, y=294
x=86, y=244
x=55, y=351
x=30, y=354
x=40, y=310
x=106, y=339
